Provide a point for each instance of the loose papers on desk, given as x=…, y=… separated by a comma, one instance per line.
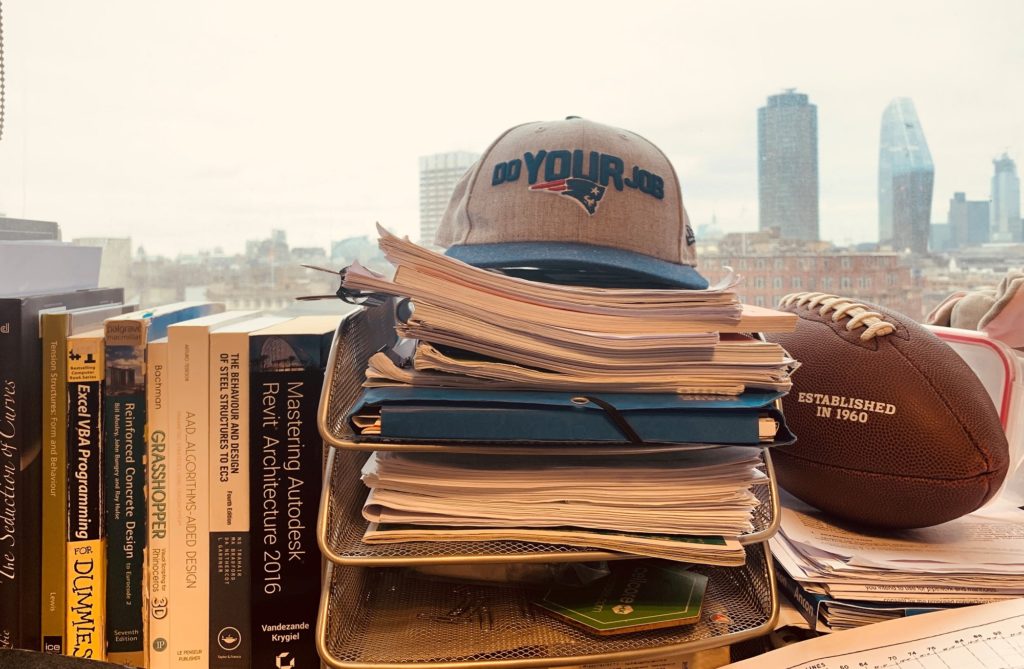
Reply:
x=974, y=559
x=620, y=499
x=535, y=416
x=972, y=637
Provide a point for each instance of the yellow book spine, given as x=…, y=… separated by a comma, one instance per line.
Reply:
x=86, y=544
x=86, y=608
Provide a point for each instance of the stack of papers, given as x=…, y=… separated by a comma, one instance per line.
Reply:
x=690, y=506
x=842, y=577
x=481, y=329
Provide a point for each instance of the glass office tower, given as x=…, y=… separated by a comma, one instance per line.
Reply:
x=906, y=176
x=1005, y=223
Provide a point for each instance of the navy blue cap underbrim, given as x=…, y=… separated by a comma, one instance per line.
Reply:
x=555, y=257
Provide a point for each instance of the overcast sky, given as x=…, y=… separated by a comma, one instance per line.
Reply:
x=207, y=122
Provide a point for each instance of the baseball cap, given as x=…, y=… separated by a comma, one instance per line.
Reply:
x=577, y=201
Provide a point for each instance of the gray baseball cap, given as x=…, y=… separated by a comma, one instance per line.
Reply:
x=573, y=198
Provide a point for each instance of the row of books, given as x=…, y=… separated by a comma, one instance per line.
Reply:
x=177, y=459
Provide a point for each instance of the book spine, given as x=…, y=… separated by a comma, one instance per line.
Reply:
x=124, y=430
x=54, y=331
x=157, y=413
x=807, y=605
x=12, y=575
x=230, y=642
x=86, y=543
x=189, y=494
x=285, y=478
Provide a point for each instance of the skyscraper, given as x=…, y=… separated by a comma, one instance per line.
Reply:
x=438, y=175
x=905, y=179
x=1004, y=223
x=968, y=222
x=787, y=165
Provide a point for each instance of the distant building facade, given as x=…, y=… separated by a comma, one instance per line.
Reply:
x=772, y=268
x=439, y=173
x=1005, y=222
x=787, y=165
x=968, y=222
x=906, y=177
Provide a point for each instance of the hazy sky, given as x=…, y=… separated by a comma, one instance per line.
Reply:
x=200, y=123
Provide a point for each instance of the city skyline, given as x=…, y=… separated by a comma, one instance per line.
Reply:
x=200, y=130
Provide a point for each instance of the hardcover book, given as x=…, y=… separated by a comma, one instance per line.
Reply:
x=230, y=551
x=124, y=416
x=287, y=364
x=86, y=539
x=21, y=472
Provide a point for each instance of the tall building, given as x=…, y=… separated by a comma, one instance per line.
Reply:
x=1004, y=222
x=905, y=179
x=787, y=165
x=968, y=222
x=438, y=175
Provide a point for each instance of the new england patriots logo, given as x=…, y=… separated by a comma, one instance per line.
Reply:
x=586, y=192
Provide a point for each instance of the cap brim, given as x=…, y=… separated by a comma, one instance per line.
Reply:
x=580, y=259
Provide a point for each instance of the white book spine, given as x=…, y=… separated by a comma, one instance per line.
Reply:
x=189, y=493
x=230, y=578
x=159, y=611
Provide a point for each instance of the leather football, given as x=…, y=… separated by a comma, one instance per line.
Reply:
x=893, y=428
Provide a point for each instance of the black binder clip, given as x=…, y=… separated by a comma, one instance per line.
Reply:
x=349, y=295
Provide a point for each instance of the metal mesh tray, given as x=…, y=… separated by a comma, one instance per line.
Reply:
x=368, y=330
x=392, y=618
x=340, y=528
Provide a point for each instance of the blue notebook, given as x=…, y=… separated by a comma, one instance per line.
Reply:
x=438, y=414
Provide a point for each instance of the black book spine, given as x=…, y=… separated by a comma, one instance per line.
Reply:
x=285, y=480
x=12, y=408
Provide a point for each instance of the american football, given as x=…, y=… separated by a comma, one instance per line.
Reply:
x=893, y=428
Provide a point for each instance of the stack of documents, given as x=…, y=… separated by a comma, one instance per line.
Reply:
x=486, y=362
x=842, y=577
x=480, y=329
x=689, y=506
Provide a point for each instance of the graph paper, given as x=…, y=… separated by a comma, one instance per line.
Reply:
x=990, y=636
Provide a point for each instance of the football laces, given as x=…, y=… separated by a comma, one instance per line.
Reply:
x=841, y=307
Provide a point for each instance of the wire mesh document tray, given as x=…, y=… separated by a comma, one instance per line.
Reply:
x=340, y=527
x=392, y=618
x=369, y=330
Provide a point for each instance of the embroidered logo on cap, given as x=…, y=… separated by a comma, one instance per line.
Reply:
x=584, y=191
x=583, y=178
